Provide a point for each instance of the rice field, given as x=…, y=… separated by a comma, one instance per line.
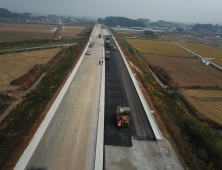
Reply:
x=219, y=62
x=203, y=50
x=207, y=102
x=70, y=31
x=158, y=47
x=24, y=31
x=187, y=71
x=14, y=65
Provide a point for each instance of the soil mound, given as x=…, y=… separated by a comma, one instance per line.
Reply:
x=22, y=79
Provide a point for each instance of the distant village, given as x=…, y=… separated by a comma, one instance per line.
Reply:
x=59, y=19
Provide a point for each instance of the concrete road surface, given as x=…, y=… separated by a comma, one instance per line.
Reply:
x=70, y=139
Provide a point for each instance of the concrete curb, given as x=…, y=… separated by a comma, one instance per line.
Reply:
x=23, y=161
x=100, y=129
x=150, y=117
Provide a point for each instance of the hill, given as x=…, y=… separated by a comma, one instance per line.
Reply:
x=122, y=21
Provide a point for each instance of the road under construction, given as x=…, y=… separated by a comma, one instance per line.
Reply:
x=81, y=132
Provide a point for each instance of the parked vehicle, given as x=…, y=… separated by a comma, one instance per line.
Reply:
x=100, y=36
x=88, y=52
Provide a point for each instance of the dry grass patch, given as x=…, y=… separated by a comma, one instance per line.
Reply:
x=187, y=71
x=24, y=31
x=70, y=31
x=207, y=102
x=161, y=47
x=203, y=50
x=178, y=37
x=127, y=32
x=12, y=66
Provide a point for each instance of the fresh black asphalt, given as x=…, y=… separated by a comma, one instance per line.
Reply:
x=120, y=91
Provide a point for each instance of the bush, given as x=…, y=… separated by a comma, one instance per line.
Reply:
x=175, y=95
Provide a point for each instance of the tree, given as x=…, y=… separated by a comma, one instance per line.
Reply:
x=175, y=95
x=100, y=20
x=150, y=33
x=179, y=30
x=124, y=22
x=26, y=15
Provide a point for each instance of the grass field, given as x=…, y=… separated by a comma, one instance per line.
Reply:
x=14, y=65
x=161, y=47
x=70, y=31
x=203, y=50
x=207, y=102
x=126, y=32
x=23, y=31
x=219, y=62
x=179, y=37
x=187, y=71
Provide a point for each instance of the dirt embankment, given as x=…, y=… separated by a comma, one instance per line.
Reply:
x=28, y=79
x=23, y=78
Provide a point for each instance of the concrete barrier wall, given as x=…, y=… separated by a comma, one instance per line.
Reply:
x=150, y=117
x=100, y=129
x=23, y=161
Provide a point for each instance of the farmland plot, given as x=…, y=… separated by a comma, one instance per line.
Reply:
x=187, y=71
x=219, y=62
x=207, y=102
x=70, y=31
x=14, y=65
x=18, y=32
x=161, y=47
x=179, y=37
x=203, y=50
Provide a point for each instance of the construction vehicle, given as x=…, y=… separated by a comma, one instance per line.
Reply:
x=122, y=116
x=107, y=42
x=107, y=55
x=114, y=47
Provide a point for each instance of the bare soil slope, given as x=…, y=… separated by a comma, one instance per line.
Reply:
x=12, y=66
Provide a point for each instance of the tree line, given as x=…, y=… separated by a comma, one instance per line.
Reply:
x=210, y=27
x=7, y=14
x=122, y=21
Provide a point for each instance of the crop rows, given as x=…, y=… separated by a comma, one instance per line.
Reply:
x=14, y=65
x=207, y=102
x=186, y=71
x=203, y=50
x=159, y=47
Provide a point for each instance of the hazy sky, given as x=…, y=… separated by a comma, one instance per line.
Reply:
x=189, y=11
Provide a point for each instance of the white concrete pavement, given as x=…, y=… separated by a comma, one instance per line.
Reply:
x=69, y=141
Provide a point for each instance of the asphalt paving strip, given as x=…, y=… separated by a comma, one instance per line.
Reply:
x=120, y=91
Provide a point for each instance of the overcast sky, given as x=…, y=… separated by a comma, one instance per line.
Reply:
x=188, y=11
